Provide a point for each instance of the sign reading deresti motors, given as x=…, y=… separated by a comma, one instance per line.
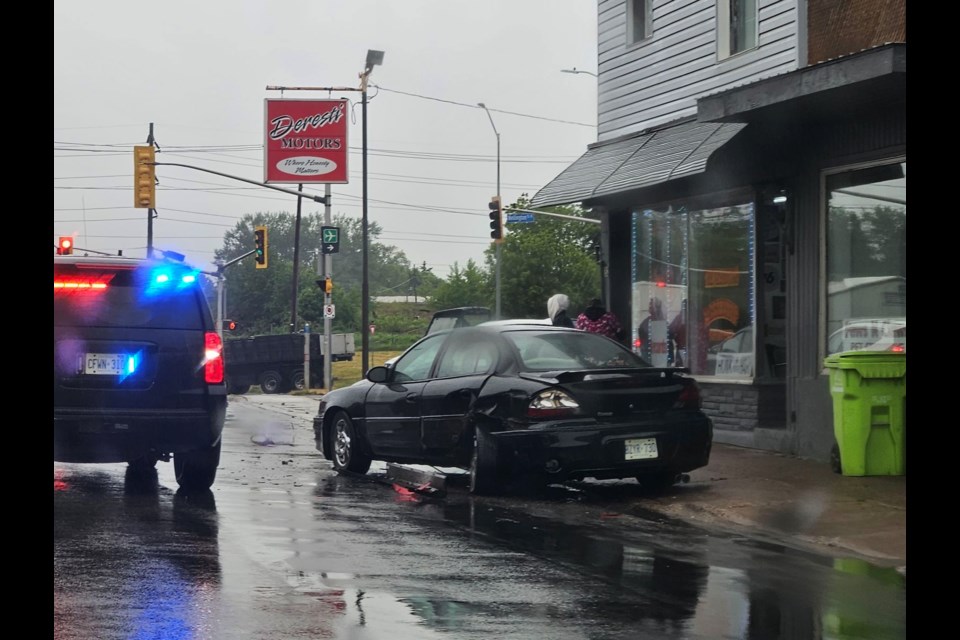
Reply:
x=306, y=141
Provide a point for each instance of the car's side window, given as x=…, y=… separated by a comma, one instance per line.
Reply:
x=467, y=358
x=416, y=363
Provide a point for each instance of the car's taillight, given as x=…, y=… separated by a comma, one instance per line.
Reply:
x=213, y=358
x=689, y=397
x=552, y=403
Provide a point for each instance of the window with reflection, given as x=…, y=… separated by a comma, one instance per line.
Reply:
x=693, y=289
x=866, y=239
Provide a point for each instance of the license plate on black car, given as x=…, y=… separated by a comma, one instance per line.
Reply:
x=640, y=449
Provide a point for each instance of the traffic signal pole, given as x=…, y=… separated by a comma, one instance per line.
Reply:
x=327, y=322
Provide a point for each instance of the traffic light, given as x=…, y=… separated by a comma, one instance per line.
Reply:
x=260, y=240
x=325, y=284
x=230, y=325
x=65, y=246
x=144, y=178
x=496, y=219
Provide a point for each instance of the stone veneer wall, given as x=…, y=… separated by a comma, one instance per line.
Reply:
x=732, y=407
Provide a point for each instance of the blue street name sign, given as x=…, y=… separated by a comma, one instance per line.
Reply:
x=519, y=217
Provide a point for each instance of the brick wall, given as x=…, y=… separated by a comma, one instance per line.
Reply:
x=837, y=28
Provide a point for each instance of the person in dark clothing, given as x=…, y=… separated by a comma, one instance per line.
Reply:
x=557, y=306
x=596, y=319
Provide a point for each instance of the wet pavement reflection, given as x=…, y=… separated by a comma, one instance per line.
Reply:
x=285, y=548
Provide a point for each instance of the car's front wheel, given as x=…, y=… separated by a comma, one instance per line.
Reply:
x=483, y=465
x=347, y=453
x=197, y=469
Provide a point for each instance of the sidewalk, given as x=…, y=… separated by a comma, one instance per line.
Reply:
x=798, y=500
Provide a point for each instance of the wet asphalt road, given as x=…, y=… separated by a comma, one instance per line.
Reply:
x=282, y=547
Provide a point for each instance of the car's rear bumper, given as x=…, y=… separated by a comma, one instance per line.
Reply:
x=120, y=436
x=597, y=450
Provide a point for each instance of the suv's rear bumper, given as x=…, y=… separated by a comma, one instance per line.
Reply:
x=121, y=436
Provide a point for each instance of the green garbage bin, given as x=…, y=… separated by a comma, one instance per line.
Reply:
x=869, y=390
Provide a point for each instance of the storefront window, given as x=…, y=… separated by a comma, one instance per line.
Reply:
x=866, y=259
x=693, y=289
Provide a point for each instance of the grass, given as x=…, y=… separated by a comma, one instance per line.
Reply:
x=346, y=372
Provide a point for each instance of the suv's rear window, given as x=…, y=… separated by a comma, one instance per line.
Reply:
x=110, y=297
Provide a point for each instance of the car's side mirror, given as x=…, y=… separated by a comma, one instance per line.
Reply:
x=378, y=374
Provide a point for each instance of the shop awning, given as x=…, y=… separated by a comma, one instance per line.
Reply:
x=636, y=162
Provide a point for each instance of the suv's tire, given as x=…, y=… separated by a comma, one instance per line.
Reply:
x=347, y=453
x=197, y=469
x=271, y=382
x=238, y=389
x=483, y=465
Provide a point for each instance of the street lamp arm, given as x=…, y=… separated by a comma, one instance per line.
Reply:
x=299, y=194
x=575, y=70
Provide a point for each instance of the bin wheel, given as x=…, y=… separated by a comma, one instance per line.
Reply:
x=835, y=463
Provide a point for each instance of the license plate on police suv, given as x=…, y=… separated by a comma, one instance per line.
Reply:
x=640, y=449
x=104, y=364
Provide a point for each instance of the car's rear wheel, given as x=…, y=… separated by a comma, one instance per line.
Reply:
x=483, y=465
x=143, y=463
x=197, y=469
x=347, y=453
x=658, y=482
x=271, y=382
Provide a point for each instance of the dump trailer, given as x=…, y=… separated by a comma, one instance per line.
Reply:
x=275, y=362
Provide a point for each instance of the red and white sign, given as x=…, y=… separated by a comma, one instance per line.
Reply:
x=305, y=141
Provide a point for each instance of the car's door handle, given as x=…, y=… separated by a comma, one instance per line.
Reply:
x=411, y=397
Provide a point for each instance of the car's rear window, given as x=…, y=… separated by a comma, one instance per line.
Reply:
x=161, y=298
x=553, y=350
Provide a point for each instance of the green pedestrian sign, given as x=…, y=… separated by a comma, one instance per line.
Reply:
x=330, y=237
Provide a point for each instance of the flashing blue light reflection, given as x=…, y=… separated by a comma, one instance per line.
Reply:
x=189, y=278
x=131, y=366
x=162, y=277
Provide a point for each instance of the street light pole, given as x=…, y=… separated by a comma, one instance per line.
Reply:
x=497, y=265
x=373, y=59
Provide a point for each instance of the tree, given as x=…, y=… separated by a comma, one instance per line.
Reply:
x=547, y=256
x=468, y=287
x=260, y=299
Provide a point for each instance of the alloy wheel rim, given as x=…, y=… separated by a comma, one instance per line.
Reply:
x=342, y=446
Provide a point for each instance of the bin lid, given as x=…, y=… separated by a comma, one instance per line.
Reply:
x=870, y=364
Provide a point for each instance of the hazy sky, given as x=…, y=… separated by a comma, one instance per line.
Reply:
x=199, y=71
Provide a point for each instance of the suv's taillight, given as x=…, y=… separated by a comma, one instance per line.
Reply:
x=213, y=358
x=689, y=397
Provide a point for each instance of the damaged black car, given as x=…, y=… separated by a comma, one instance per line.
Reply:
x=520, y=404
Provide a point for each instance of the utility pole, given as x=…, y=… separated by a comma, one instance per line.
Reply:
x=151, y=212
x=374, y=58
x=296, y=267
x=498, y=244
